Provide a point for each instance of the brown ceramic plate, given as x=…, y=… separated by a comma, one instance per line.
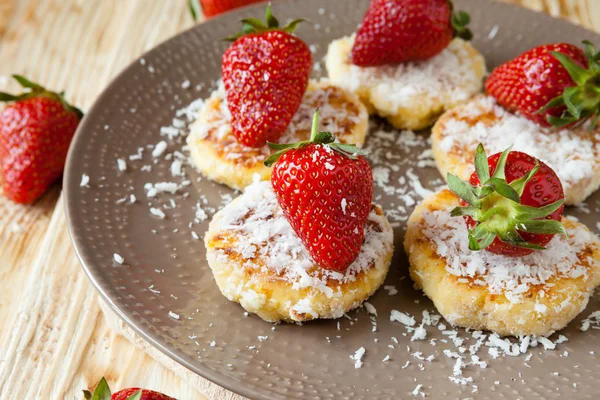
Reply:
x=165, y=270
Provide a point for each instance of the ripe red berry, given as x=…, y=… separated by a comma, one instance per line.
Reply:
x=540, y=82
x=325, y=190
x=397, y=31
x=125, y=394
x=102, y=391
x=36, y=129
x=265, y=75
x=211, y=8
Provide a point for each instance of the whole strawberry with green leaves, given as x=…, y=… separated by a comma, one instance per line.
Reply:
x=397, y=31
x=36, y=129
x=512, y=204
x=265, y=72
x=325, y=190
x=553, y=84
x=102, y=392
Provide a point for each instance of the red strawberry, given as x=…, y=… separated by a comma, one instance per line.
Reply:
x=513, y=203
x=325, y=190
x=126, y=394
x=36, y=129
x=210, y=8
x=102, y=391
x=265, y=72
x=553, y=85
x=397, y=31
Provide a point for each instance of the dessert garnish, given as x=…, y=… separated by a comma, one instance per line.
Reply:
x=397, y=31
x=265, y=72
x=512, y=204
x=554, y=84
x=325, y=190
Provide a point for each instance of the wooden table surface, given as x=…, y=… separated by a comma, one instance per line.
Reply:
x=54, y=338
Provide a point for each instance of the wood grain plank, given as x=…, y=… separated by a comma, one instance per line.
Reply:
x=22, y=229
x=581, y=12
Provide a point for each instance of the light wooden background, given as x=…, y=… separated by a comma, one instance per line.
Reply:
x=54, y=338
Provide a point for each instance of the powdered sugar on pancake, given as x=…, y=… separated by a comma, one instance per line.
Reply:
x=511, y=276
x=573, y=153
x=265, y=240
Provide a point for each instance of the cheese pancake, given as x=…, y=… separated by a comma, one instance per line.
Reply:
x=258, y=261
x=410, y=95
x=217, y=154
x=536, y=294
x=574, y=154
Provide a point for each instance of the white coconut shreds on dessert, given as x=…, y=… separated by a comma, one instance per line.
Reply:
x=217, y=154
x=532, y=296
x=257, y=260
x=574, y=154
x=511, y=276
x=333, y=119
x=262, y=232
x=410, y=95
x=440, y=76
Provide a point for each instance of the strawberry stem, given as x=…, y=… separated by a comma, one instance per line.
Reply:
x=315, y=126
x=459, y=21
x=254, y=25
x=496, y=206
x=35, y=90
x=316, y=137
x=195, y=9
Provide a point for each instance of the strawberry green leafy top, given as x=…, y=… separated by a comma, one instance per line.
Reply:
x=35, y=90
x=496, y=206
x=582, y=101
x=316, y=137
x=254, y=25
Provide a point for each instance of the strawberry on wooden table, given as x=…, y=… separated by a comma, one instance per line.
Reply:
x=211, y=8
x=36, y=129
x=265, y=72
x=553, y=85
x=513, y=203
x=325, y=191
x=397, y=31
x=102, y=392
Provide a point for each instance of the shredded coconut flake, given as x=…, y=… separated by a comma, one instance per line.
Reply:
x=370, y=308
x=510, y=276
x=265, y=228
x=159, y=149
x=573, y=154
x=121, y=165
x=417, y=391
x=358, y=357
x=401, y=317
x=118, y=259
x=445, y=76
x=157, y=212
